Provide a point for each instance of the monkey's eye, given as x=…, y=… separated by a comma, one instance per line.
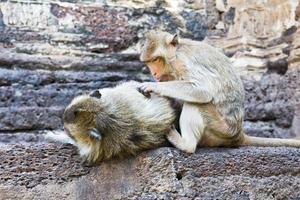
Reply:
x=70, y=115
x=76, y=113
x=156, y=59
x=96, y=94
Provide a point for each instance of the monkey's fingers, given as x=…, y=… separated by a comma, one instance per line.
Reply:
x=144, y=92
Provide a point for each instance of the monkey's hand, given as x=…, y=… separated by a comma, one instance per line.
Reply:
x=146, y=89
x=58, y=136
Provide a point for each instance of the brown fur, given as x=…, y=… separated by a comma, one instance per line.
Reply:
x=126, y=121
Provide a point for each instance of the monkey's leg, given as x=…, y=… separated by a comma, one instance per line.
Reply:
x=191, y=127
x=182, y=90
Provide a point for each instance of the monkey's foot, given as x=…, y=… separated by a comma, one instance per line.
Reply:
x=175, y=138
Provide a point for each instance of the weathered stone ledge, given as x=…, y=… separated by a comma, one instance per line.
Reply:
x=30, y=118
x=114, y=62
x=53, y=171
x=38, y=78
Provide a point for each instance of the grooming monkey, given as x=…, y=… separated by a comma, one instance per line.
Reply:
x=116, y=122
x=212, y=93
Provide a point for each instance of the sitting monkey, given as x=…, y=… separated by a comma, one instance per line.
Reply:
x=116, y=122
x=212, y=93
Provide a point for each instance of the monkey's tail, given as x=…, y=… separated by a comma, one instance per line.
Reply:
x=269, y=142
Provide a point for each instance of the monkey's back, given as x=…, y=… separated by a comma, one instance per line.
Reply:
x=210, y=66
x=127, y=99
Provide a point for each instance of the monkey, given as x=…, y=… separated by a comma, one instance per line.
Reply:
x=203, y=78
x=116, y=122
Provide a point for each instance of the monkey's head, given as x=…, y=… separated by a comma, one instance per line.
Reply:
x=80, y=121
x=158, y=52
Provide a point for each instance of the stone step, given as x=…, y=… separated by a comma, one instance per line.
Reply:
x=30, y=118
x=111, y=62
x=29, y=137
x=9, y=77
x=53, y=171
x=42, y=88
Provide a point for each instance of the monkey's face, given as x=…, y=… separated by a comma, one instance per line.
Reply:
x=80, y=118
x=157, y=53
x=160, y=69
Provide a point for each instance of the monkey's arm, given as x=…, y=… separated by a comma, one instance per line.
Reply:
x=182, y=90
x=58, y=136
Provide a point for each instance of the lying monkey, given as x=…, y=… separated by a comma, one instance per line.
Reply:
x=212, y=93
x=116, y=122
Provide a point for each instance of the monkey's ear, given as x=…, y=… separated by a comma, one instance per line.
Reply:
x=96, y=94
x=174, y=40
x=95, y=134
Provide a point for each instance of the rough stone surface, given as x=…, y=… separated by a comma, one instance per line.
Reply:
x=38, y=164
x=51, y=51
x=54, y=172
x=271, y=105
x=260, y=35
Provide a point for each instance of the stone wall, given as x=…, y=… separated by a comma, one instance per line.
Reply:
x=51, y=51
